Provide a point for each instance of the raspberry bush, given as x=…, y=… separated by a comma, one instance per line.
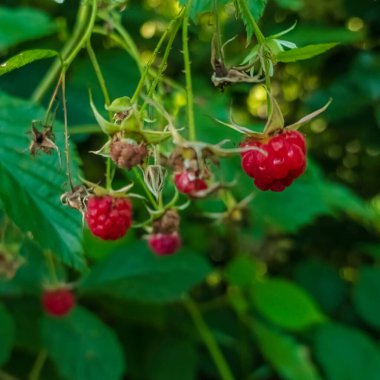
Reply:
x=152, y=165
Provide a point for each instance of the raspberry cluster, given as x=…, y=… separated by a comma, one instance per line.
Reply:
x=165, y=239
x=283, y=160
x=109, y=217
x=58, y=302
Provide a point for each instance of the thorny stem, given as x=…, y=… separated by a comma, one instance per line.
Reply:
x=189, y=87
x=52, y=100
x=65, y=123
x=153, y=58
x=38, y=365
x=55, y=69
x=209, y=340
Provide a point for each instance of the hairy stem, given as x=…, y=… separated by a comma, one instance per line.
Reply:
x=209, y=340
x=189, y=86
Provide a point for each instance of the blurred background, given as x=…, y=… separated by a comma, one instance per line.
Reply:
x=294, y=287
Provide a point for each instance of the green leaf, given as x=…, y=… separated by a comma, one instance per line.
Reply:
x=6, y=335
x=285, y=304
x=23, y=24
x=366, y=296
x=323, y=282
x=346, y=354
x=31, y=186
x=83, y=347
x=24, y=58
x=243, y=271
x=289, y=358
x=136, y=274
x=305, y=52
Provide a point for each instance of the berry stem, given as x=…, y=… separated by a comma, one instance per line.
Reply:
x=147, y=192
x=51, y=267
x=162, y=66
x=209, y=340
x=66, y=131
x=168, y=31
x=107, y=100
x=38, y=365
x=187, y=65
x=99, y=74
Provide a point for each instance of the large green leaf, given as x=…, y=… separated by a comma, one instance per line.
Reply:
x=347, y=354
x=323, y=282
x=305, y=52
x=135, y=273
x=6, y=334
x=23, y=24
x=31, y=186
x=289, y=358
x=285, y=304
x=24, y=58
x=83, y=347
x=367, y=296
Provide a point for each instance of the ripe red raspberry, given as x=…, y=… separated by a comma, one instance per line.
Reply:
x=164, y=244
x=188, y=183
x=58, y=302
x=108, y=217
x=284, y=162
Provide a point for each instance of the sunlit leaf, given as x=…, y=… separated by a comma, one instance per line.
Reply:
x=24, y=58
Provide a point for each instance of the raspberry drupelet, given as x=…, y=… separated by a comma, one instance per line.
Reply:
x=284, y=161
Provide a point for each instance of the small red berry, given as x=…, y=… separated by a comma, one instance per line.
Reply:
x=284, y=162
x=58, y=302
x=164, y=244
x=108, y=217
x=188, y=183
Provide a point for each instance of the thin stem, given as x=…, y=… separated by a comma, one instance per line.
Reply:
x=209, y=340
x=52, y=100
x=153, y=58
x=147, y=191
x=189, y=86
x=35, y=373
x=66, y=131
x=84, y=129
x=55, y=69
x=99, y=74
x=51, y=267
x=162, y=66
x=86, y=36
x=123, y=45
